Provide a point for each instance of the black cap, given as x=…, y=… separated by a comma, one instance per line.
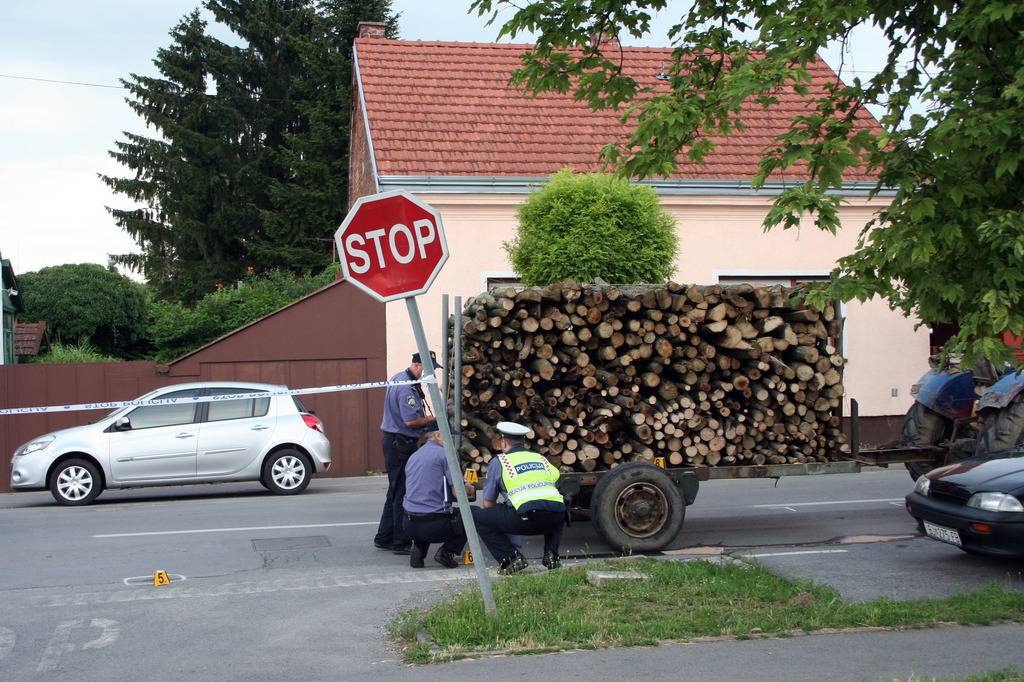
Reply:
x=433, y=359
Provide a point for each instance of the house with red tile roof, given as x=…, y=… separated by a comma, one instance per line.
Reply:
x=441, y=120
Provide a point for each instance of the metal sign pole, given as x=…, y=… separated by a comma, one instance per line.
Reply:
x=457, y=369
x=453, y=459
x=444, y=352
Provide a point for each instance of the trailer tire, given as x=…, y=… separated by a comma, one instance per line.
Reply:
x=923, y=427
x=637, y=507
x=1001, y=429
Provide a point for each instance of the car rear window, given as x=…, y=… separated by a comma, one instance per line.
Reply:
x=299, y=406
x=236, y=409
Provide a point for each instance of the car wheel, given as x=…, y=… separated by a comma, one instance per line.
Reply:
x=286, y=472
x=922, y=427
x=1001, y=429
x=76, y=482
x=637, y=508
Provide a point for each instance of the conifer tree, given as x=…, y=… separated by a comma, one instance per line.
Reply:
x=250, y=166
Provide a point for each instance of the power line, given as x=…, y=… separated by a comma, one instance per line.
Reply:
x=52, y=80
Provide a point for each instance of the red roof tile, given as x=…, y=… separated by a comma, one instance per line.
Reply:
x=29, y=337
x=447, y=109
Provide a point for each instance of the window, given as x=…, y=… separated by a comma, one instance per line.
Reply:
x=299, y=406
x=771, y=280
x=490, y=280
x=155, y=416
x=236, y=409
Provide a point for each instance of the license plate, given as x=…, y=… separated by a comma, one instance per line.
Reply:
x=942, y=533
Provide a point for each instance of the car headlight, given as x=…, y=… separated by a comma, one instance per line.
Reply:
x=923, y=485
x=997, y=502
x=34, y=446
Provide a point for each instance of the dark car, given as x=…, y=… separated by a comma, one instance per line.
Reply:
x=974, y=505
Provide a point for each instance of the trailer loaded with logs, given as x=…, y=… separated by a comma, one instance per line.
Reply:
x=638, y=393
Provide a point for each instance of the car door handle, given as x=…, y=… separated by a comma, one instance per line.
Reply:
x=185, y=435
x=259, y=427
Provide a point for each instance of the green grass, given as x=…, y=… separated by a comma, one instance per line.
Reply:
x=69, y=353
x=680, y=601
x=1009, y=674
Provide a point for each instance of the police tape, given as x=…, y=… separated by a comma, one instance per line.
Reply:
x=248, y=395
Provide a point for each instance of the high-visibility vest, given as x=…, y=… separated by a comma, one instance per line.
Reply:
x=528, y=477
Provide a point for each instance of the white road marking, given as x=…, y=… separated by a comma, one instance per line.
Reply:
x=233, y=530
x=247, y=588
x=786, y=505
x=789, y=509
x=148, y=579
x=6, y=641
x=61, y=644
x=111, y=633
x=808, y=551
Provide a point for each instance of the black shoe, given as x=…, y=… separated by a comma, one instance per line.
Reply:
x=380, y=546
x=551, y=561
x=446, y=559
x=402, y=550
x=415, y=558
x=513, y=564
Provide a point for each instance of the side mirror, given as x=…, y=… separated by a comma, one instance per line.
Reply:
x=123, y=424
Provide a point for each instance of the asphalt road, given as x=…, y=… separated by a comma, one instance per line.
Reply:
x=291, y=587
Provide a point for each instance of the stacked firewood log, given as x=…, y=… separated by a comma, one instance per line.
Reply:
x=699, y=375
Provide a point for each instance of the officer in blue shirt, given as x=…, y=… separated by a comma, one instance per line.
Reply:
x=405, y=420
x=427, y=505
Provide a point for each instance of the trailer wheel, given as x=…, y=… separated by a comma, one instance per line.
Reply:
x=637, y=508
x=923, y=427
x=1001, y=429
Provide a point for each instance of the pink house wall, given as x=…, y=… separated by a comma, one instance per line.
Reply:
x=719, y=235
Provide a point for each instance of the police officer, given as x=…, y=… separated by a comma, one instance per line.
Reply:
x=534, y=505
x=427, y=505
x=405, y=419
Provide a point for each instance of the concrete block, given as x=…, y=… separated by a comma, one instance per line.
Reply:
x=599, y=578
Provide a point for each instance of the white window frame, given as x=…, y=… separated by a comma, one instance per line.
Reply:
x=497, y=274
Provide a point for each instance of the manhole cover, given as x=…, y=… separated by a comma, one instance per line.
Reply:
x=283, y=544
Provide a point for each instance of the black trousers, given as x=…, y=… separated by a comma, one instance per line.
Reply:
x=448, y=531
x=497, y=523
x=397, y=450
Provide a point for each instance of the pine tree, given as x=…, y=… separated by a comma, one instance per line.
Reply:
x=181, y=176
x=315, y=159
x=254, y=175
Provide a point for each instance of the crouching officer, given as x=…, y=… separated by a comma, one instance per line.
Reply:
x=428, y=515
x=535, y=507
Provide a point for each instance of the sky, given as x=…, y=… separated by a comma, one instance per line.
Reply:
x=55, y=137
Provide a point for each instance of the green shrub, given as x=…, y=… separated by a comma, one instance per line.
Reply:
x=175, y=329
x=68, y=354
x=87, y=303
x=581, y=227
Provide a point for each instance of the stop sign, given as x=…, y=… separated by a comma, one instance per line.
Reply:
x=391, y=245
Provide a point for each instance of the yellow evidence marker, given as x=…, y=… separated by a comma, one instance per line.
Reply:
x=471, y=476
x=160, y=578
x=467, y=558
x=659, y=462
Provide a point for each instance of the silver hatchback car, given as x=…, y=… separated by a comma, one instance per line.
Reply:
x=274, y=440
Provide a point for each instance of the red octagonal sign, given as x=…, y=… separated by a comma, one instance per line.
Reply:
x=391, y=245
